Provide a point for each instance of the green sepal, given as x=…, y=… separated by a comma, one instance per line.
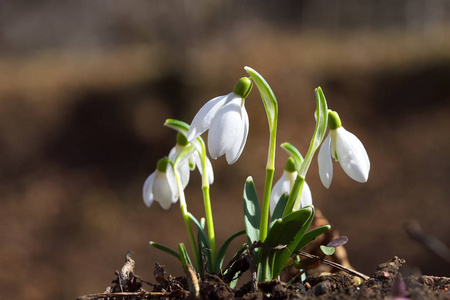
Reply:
x=252, y=211
x=165, y=249
x=294, y=153
x=334, y=122
x=223, y=249
x=311, y=236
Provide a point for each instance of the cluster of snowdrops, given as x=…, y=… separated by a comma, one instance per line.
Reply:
x=279, y=228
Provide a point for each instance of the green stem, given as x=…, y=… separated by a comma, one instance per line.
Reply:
x=266, y=205
x=208, y=209
x=294, y=196
x=187, y=222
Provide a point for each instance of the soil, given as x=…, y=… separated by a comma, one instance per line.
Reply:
x=385, y=283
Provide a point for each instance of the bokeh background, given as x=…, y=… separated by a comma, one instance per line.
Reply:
x=85, y=87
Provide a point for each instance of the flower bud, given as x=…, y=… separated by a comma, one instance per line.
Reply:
x=161, y=165
x=243, y=87
x=334, y=122
x=181, y=139
x=290, y=165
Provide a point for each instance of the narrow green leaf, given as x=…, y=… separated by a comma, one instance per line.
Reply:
x=310, y=236
x=252, y=211
x=165, y=249
x=327, y=250
x=184, y=257
x=294, y=153
x=203, y=244
x=279, y=209
x=223, y=249
x=177, y=125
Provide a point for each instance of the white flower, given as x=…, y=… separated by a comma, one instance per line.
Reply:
x=346, y=148
x=161, y=185
x=188, y=164
x=227, y=121
x=284, y=186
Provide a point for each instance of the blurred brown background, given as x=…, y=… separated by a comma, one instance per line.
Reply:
x=86, y=86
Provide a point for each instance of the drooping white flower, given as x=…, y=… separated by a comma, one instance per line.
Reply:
x=344, y=147
x=227, y=121
x=284, y=186
x=191, y=161
x=161, y=185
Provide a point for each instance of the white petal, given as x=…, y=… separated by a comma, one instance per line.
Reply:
x=184, y=171
x=147, y=191
x=174, y=152
x=231, y=155
x=306, y=197
x=170, y=176
x=162, y=190
x=210, y=171
x=282, y=186
x=325, y=163
x=352, y=155
x=205, y=115
x=227, y=129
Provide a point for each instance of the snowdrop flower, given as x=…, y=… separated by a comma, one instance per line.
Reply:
x=344, y=147
x=284, y=186
x=161, y=185
x=227, y=121
x=193, y=160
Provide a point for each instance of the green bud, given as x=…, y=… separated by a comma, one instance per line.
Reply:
x=243, y=87
x=334, y=122
x=161, y=165
x=181, y=139
x=290, y=165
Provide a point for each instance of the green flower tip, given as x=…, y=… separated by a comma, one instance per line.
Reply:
x=290, y=165
x=334, y=122
x=161, y=165
x=181, y=139
x=243, y=87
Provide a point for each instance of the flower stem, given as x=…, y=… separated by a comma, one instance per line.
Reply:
x=187, y=222
x=208, y=209
x=294, y=196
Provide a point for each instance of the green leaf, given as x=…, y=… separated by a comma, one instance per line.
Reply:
x=319, y=131
x=184, y=257
x=327, y=250
x=165, y=249
x=223, y=249
x=177, y=125
x=282, y=256
x=310, y=236
x=252, y=211
x=269, y=99
x=203, y=244
x=279, y=209
x=294, y=153
x=284, y=230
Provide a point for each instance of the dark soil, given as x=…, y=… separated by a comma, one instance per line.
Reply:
x=385, y=283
